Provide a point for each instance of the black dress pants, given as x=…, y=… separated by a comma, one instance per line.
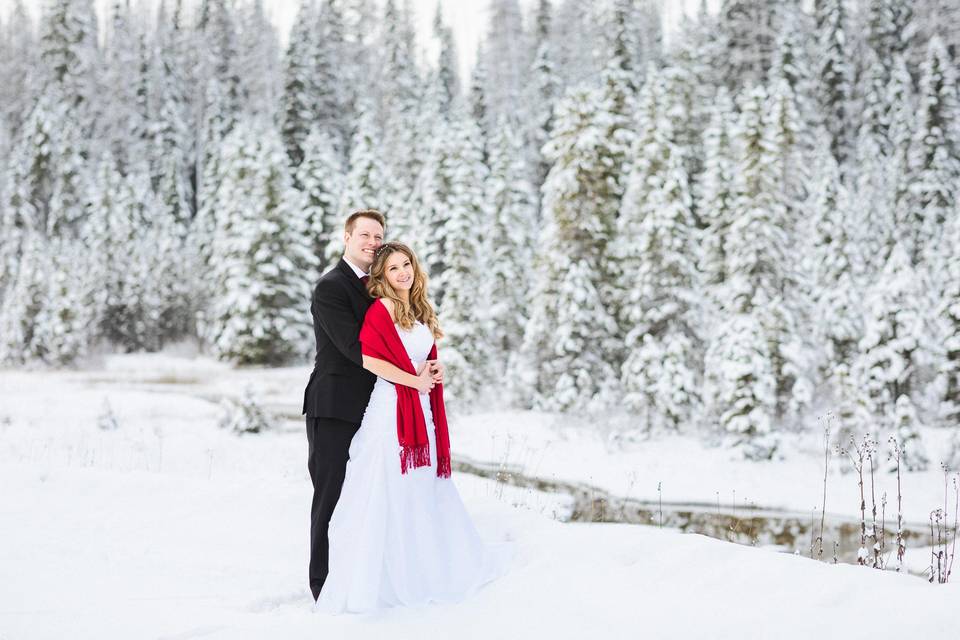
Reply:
x=329, y=441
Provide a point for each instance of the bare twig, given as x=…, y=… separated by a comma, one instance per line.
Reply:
x=897, y=454
x=826, y=467
x=861, y=450
x=660, y=502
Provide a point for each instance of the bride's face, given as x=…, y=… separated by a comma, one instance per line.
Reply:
x=398, y=271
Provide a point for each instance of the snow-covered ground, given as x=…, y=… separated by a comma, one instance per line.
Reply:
x=170, y=527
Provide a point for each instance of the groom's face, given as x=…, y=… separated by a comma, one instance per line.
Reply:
x=362, y=241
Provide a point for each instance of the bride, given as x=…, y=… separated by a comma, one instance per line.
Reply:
x=400, y=534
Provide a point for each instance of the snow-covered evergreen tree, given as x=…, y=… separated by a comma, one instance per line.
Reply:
x=18, y=62
x=872, y=228
x=171, y=154
x=299, y=92
x=63, y=325
x=948, y=317
x=123, y=124
x=793, y=63
x=262, y=258
x=749, y=31
x=399, y=88
x=544, y=89
x=832, y=60
x=833, y=268
x=508, y=54
x=756, y=245
x=715, y=190
x=740, y=386
x=336, y=69
x=367, y=181
x=906, y=426
x=514, y=217
x=580, y=199
x=23, y=300
x=320, y=177
x=257, y=62
x=934, y=155
x=45, y=316
x=70, y=56
x=850, y=407
x=464, y=288
x=126, y=260
x=46, y=171
x=448, y=74
x=655, y=269
x=894, y=338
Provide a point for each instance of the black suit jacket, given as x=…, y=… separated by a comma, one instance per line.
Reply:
x=339, y=386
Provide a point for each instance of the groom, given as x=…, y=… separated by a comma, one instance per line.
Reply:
x=339, y=388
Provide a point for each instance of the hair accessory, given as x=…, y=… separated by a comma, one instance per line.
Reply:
x=384, y=247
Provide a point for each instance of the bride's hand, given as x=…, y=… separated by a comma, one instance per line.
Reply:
x=424, y=380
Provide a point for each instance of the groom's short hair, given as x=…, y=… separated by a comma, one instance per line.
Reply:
x=373, y=214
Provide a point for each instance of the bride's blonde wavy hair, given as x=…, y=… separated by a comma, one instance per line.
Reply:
x=418, y=307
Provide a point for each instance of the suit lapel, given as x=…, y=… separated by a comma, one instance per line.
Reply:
x=352, y=277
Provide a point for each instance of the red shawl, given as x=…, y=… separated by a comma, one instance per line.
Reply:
x=379, y=339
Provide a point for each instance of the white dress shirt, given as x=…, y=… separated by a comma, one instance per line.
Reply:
x=357, y=270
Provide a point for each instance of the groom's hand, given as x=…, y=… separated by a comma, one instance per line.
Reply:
x=437, y=369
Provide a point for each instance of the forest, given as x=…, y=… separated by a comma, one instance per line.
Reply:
x=724, y=230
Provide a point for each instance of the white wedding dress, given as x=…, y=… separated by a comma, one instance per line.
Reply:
x=400, y=539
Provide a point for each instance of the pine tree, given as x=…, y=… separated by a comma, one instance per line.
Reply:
x=171, y=157
x=69, y=54
x=299, y=90
x=476, y=93
x=262, y=259
x=580, y=199
x=117, y=213
x=333, y=73
x=757, y=240
x=46, y=171
x=740, y=385
x=321, y=178
x=872, y=228
x=577, y=40
x=514, y=216
x=653, y=251
x=893, y=341
x=508, y=54
x=716, y=190
x=834, y=268
x=219, y=106
x=890, y=34
x=693, y=77
x=544, y=89
x=463, y=286
x=834, y=73
x=122, y=125
x=934, y=154
x=448, y=75
x=18, y=57
x=948, y=315
x=23, y=301
x=399, y=88
x=367, y=181
x=61, y=332
x=852, y=413
x=907, y=427
x=793, y=63
x=257, y=63
x=749, y=30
